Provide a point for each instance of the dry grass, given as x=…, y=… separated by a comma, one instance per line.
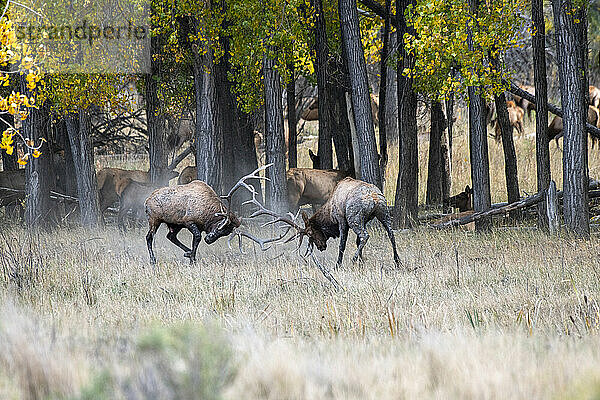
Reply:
x=510, y=314
x=474, y=319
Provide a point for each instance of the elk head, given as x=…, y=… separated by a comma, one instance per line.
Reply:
x=315, y=235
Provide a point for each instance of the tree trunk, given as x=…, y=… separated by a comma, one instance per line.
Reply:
x=405, y=208
x=79, y=130
x=571, y=42
x=391, y=97
x=226, y=109
x=361, y=101
x=446, y=169
x=276, y=187
x=510, y=157
x=321, y=70
x=39, y=177
x=383, y=84
x=435, y=167
x=247, y=161
x=478, y=146
x=291, y=118
x=157, y=139
x=542, y=145
x=209, y=136
x=69, y=178
x=450, y=123
x=342, y=139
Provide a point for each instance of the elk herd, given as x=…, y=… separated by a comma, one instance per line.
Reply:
x=339, y=201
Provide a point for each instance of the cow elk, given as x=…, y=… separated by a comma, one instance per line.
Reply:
x=594, y=96
x=515, y=118
x=351, y=206
x=311, y=186
x=522, y=102
x=112, y=181
x=196, y=207
x=188, y=174
x=463, y=201
x=555, y=129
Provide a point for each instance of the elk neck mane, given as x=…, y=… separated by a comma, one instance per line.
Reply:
x=323, y=218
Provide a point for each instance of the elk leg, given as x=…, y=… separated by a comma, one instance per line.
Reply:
x=343, y=239
x=197, y=238
x=387, y=224
x=149, y=239
x=172, y=236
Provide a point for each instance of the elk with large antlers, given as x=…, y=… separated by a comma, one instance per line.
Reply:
x=198, y=208
x=351, y=206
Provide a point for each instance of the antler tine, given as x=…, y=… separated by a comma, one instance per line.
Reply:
x=242, y=183
x=262, y=210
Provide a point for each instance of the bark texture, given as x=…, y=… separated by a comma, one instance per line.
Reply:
x=79, y=129
x=542, y=145
x=361, y=102
x=508, y=145
x=405, y=208
x=571, y=39
x=276, y=187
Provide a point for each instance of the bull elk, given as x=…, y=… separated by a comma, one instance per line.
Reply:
x=351, y=206
x=198, y=208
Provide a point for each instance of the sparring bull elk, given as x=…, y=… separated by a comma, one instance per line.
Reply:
x=351, y=206
x=198, y=208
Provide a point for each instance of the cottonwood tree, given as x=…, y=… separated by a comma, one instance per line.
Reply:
x=542, y=148
x=453, y=45
x=361, y=102
x=571, y=42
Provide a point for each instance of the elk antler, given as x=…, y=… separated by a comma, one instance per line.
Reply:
x=261, y=242
x=242, y=183
x=262, y=210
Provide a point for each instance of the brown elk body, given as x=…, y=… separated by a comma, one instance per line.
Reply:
x=312, y=112
x=515, y=118
x=198, y=208
x=194, y=206
x=555, y=129
x=351, y=206
x=463, y=201
x=522, y=102
x=311, y=186
x=187, y=175
x=112, y=181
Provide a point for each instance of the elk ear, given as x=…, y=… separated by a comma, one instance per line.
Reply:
x=305, y=218
x=468, y=189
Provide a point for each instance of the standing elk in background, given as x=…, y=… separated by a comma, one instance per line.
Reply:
x=197, y=208
x=312, y=112
x=555, y=129
x=515, y=117
x=351, y=206
x=311, y=186
x=463, y=201
x=112, y=181
x=188, y=174
x=522, y=102
x=131, y=200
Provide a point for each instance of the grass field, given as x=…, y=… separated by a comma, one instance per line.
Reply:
x=509, y=314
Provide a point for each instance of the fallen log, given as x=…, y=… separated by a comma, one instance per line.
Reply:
x=526, y=202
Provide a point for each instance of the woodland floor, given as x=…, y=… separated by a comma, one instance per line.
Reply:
x=509, y=314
